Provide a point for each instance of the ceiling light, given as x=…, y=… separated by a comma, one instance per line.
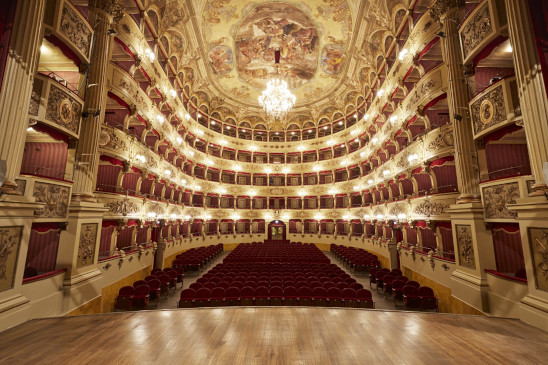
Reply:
x=183, y=181
x=508, y=49
x=236, y=217
x=179, y=140
x=316, y=168
x=292, y=133
x=276, y=133
x=151, y=215
x=325, y=127
x=212, y=122
x=344, y=162
x=357, y=140
x=276, y=99
x=365, y=117
x=354, y=132
x=300, y=147
x=380, y=93
x=362, y=154
x=224, y=142
x=366, y=217
x=167, y=172
x=330, y=142
x=356, y=188
x=160, y=118
x=310, y=131
x=268, y=170
x=237, y=168
x=200, y=132
x=393, y=119
x=318, y=217
x=356, y=115
x=340, y=123
x=285, y=170
x=228, y=127
x=173, y=93
x=243, y=130
x=187, y=116
x=370, y=181
x=386, y=172
x=302, y=193
x=374, y=140
x=253, y=148
x=403, y=53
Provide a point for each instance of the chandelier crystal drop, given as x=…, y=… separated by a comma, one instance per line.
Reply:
x=276, y=99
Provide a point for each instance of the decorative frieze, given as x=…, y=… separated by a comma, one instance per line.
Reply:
x=123, y=207
x=443, y=140
x=465, y=245
x=56, y=198
x=75, y=29
x=10, y=239
x=496, y=198
x=428, y=209
x=63, y=109
x=86, y=246
x=488, y=110
x=35, y=96
x=478, y=27
x=110, y=139
x=538, y=238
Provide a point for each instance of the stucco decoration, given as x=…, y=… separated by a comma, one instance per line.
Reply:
x=465, y=246
x=539, y=249
x=10, y=239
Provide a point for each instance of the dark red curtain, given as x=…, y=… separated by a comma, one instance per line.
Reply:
x=43, y=247
x=142, y=235
x=424, y=183
x=505, y=160
x=411, y=235
x=124, y=239
x=45, y=159
x=428, y=239
x=146, y=185
x=508, y=248
x=106, y=234
x=446, y=234
x=129, y=182
x=446, y=177
x=107, y=177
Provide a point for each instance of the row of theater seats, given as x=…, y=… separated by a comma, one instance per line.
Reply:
x=195, y=259
x=392, y=282
x=276, y=274
x=160, y=282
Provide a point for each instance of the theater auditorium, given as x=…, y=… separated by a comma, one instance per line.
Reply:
x=273, y=181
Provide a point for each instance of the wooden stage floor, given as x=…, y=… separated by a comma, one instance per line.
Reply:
x=273, y=335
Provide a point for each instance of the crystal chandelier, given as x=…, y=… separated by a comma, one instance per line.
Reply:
x=276, y=99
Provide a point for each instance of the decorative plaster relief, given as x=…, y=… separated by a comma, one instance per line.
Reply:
x=86, y=247
x=497, y=197
x=539, y=249
x=10, y=239
x=476, y=30
x=75, y=29
x=56, y=198
x=465, y=246
x=63, y=109
x=488, y=110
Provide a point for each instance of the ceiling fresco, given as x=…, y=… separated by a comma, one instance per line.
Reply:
x=241, y=38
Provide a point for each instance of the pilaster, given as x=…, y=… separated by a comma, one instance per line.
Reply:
x=21, y=66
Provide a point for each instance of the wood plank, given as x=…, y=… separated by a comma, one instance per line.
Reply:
x=274, y=335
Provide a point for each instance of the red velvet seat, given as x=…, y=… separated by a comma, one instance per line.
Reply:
x=247, y=295
x=232, y=296
x=411, y=299
x=210, y=285
x=155, y=285
x=305, y=296
x=320, y=296
x=356, y=286
x=140, y=297
x=372, y=276
x=365, y=299
x=387, y=284
x=291, y=296
x=172, y=279
x=349, y=297
x=165, y=280
x=187, y=298
x=196, y=286
x=379, y=279
x=139, y=283
x=217, y=297
x=203, y=296
x=334, y=297
x=413, y=283
x=276, y=295
x=397, y=290
x=261, y=295
x=124, y=298
x=427, y=298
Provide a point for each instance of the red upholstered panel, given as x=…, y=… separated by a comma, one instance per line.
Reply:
x=124, y=239
x=173, y=230
x=505, y=160
x=141, y=235
x=146, y=185
x=167, y=194
x=150, y=140
x=107, y=177
x=395, y=188
x=129, y=182
x=115, y=118
x=428, y=239
x=407, y=186
x=165, y=231
x=388, y=232
x=438, y=118
x=106, y=234
x=446, y=177
x=424, y=183
x=367, y=198
x=447, y=239
x=411, y=235
x=416, y=129
x=385, y=193
x=42, y=251
x=378, y=197
x=483, y=75
x=508, y=248
x=45, y=159
x=158, y=187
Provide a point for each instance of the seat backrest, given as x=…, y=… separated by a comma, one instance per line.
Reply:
x=142, y=290
x=342, y=285
x=210, y=285
x=319, y=291
x=380, y=274
x=290, y=291
x=126, y=290
x=203, y=293
x=305, y=291
x=218, y=292
x=363, y=294
x=398, y=284
x=373, y=271
x=413, y=283
x=172, y=274
x=232, y=291
x=163, y=278
x=195, y=286
x=247, y=291
x=139, y=283
x=356, y=286
x=425, y=291
x=334, y=292
x=410, y=290
x=261, y=290
x=154, y=284
x=188, y=294
x=388, y=278
x=276, y=291
x=348, y=293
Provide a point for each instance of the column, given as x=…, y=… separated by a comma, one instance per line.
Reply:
x=532, y=90
x=87, y=154
x=465, y=150
x=21, y=66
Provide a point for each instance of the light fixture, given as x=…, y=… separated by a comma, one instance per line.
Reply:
x=332, y=192
x=30, y=129
x=380, y=93
x=356, y=188
x=365, y=117
x=380, y=217
x=316, y=168
x=179, y=140
x=209, y=162
x=268, y=216
x=412, y=157
x=253, y=148
x=191, y=153
x=277, y=133
x=292, y=133
x=403, y=53
x=150, y=54
x=402, y=216
x=508, y=49
x=370, y=181
x=285, y=170
x=200, y=132
x=374, y=140
x=268, y=170
x=318, y=217
x=341, y=123
x=300, y=147
x=310, y=131
x=173, y=93
x=208, y=217
x=141, y=158
x=393, y=119
x=344, y=162
x=160, y=118
x=224, y=142
x=173, y=216
x=222, y=191
x=357, y=140
x=386, y=172
x=330, y=142
x=237, y=168
x=236, y=217
x=366, y=217
x=276, y=99
x=183, y=181
x=362, y=154
x=228, y=127
x=187, y=116
x=167, y=172
x=151, y=215
x=252, y=193
x=356, y=115
x=354, y=132
x=243, y=130
x=301, y=193
x=197, y=187
x=285, y=216
x=199, y=115
x=212, y=122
